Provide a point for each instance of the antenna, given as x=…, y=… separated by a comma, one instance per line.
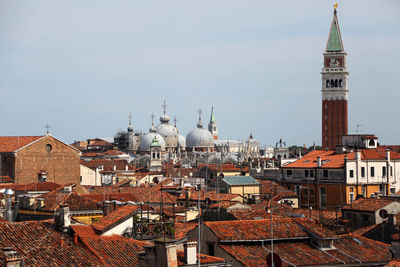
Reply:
x=164, y=106
x=200, y=112
x=47, y=128
x=358, y=127
x=130, y=119
x=152, y=119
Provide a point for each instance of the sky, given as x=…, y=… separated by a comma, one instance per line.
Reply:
x=83, y=66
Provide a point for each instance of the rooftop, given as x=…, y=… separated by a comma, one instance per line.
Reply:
x=240, y=180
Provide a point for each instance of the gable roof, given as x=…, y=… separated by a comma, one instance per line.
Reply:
x=114, y=218
x=13, y=143
x=74, y=201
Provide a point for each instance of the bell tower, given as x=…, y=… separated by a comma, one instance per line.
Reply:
x=334, y=89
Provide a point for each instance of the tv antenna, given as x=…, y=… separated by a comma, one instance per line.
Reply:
x=47, y=128
x=358, y=127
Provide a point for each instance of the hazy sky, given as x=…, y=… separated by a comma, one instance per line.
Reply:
x=83, y=66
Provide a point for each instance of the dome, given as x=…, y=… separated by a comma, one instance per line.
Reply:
x=164, y=118
x=199, y=137
x=147, y=139
x=169, y=133
x=181, y=141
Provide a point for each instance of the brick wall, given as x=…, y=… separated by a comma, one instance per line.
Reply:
x=62, y=163
x=334, y=122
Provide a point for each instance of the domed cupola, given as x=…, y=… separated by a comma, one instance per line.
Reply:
x=199, y=139
x=147, y=139
x=167, y=131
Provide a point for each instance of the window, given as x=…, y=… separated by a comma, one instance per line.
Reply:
x=392, y=190
x=326, y=106
x=297, y=189
x=364, y=191
x=383, y=171
x=322, y=197
x=211, y=250
x=49, y=148
x=326, y=173
x=311, y=192
x=372, y=142
x=311, y=173
x=325, y=117
x=391, y=171
x=372, y=171
x=382, y=188
x=289, y=172
x=306, y=173
x=362, y=171
x=326, y=128
x=351, y=197
x=351, y=174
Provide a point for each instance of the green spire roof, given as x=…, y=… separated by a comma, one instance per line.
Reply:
x=335, y=39
x=155, y=142
x=212, y=117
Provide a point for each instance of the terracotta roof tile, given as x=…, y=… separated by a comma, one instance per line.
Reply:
x=13, y=143
x=115, y=217
x=38, y=186
x=347, y=249
x=256, y=229
x=368, y=204
x=112, y=196
x=181, y=229
x=204, y=259
x=40, y=245
x=74, y=201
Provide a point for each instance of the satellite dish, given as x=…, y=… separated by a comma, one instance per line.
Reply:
x=277, y=260
x=383, y=213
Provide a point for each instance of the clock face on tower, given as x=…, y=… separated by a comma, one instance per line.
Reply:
x=333, y=62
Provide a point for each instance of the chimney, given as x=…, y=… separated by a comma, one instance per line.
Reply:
x=190, y=252
x=166, y=252
x=8, y=213
x=62, y=217
x=12, y=257
x=388, y=154
x=319, y=162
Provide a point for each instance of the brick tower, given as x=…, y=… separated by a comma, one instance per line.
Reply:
x=334, y=89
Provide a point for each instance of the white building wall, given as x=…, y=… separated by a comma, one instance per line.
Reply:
x=379, y=176
x=89, y=177
x=120, y=228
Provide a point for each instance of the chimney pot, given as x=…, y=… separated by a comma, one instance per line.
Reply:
x=190, y=252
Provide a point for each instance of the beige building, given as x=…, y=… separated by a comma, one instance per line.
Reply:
x=246, y=186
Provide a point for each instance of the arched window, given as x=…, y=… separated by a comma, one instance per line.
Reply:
x=332, y=83
x=336, y=83
x=340, y=83
x=327, y=83
x=372, y=142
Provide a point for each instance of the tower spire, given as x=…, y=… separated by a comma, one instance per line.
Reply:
x=212, y=125
x=334, y=43
x=200, y=123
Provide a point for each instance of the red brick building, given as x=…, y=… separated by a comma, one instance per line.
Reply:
x=28, y=159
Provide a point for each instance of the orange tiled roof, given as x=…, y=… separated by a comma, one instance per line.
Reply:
x=112, y=219
x=181, y=229
x=112, y=250
x=38, y=186
x=108, y=164
x=74, y=201
x=330, y=159
x=112, y=196
x=368, y=204
x=41, y=245
x=13, y=143
x=348, y=250
x=204, y=259
x=256, y=229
